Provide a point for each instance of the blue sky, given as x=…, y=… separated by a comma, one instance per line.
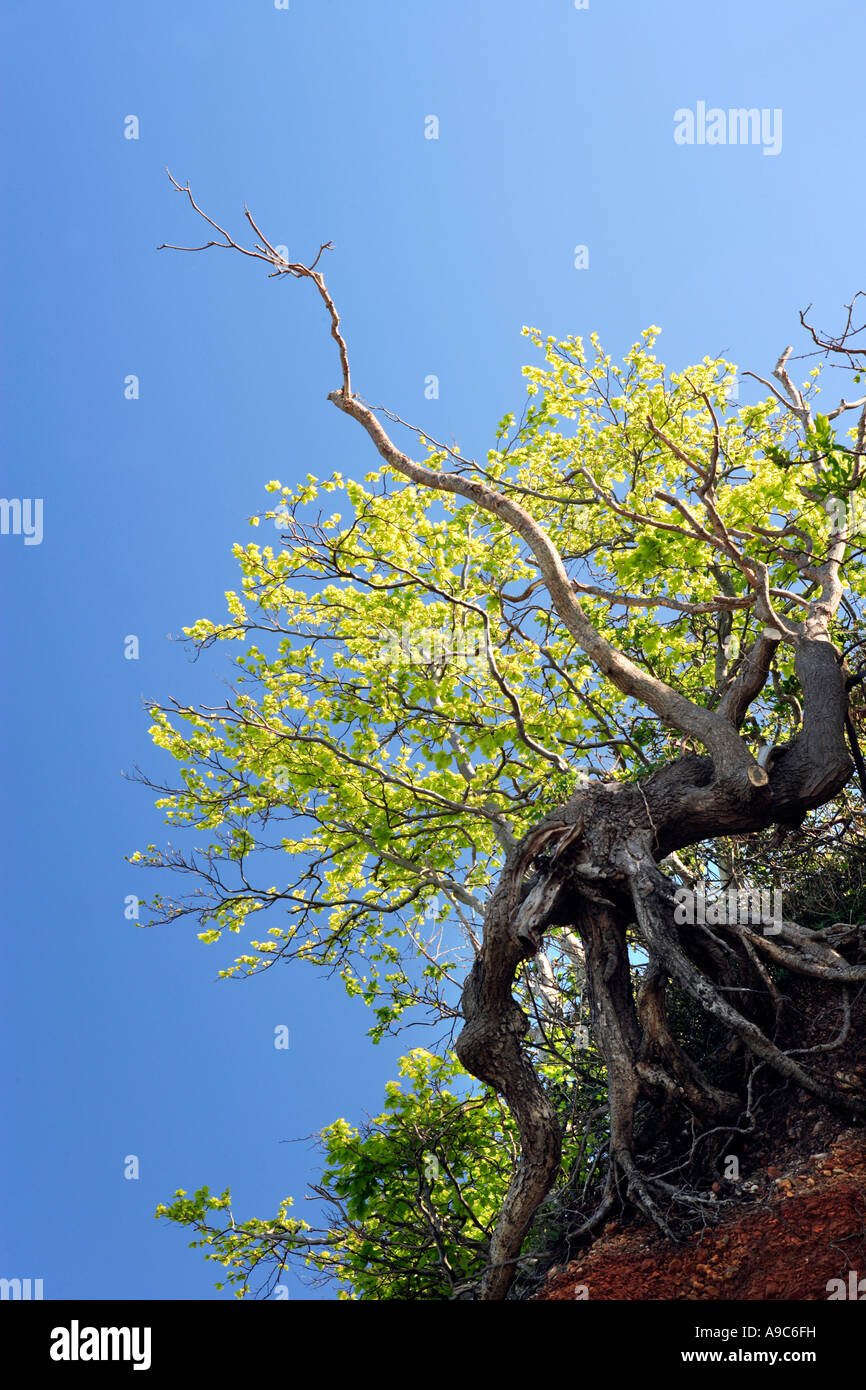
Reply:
x=556, y=130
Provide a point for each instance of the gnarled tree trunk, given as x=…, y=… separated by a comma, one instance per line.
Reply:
x=599, y=871
x=600, y=874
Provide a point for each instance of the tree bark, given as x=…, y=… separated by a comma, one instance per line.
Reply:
x=600, y=875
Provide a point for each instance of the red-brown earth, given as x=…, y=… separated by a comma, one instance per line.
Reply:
x=785, y=1231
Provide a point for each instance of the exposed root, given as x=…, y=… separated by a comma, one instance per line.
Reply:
x=654, y=1085
x=639, y=1191
x=652, y=900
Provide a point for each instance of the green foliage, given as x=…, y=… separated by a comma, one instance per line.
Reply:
x=836, y=463
x=240, y=1248
x=406, y=705
x=413, y=1196
x=370, y=742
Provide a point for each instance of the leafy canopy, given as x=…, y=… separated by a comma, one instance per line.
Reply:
x=406, y=704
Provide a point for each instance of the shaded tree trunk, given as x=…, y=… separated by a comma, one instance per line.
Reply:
x=598, y=875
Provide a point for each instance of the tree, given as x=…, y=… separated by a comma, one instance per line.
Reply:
x=413, y=1198
x=545, y=698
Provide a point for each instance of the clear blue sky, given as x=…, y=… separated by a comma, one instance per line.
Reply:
x=556, y=130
